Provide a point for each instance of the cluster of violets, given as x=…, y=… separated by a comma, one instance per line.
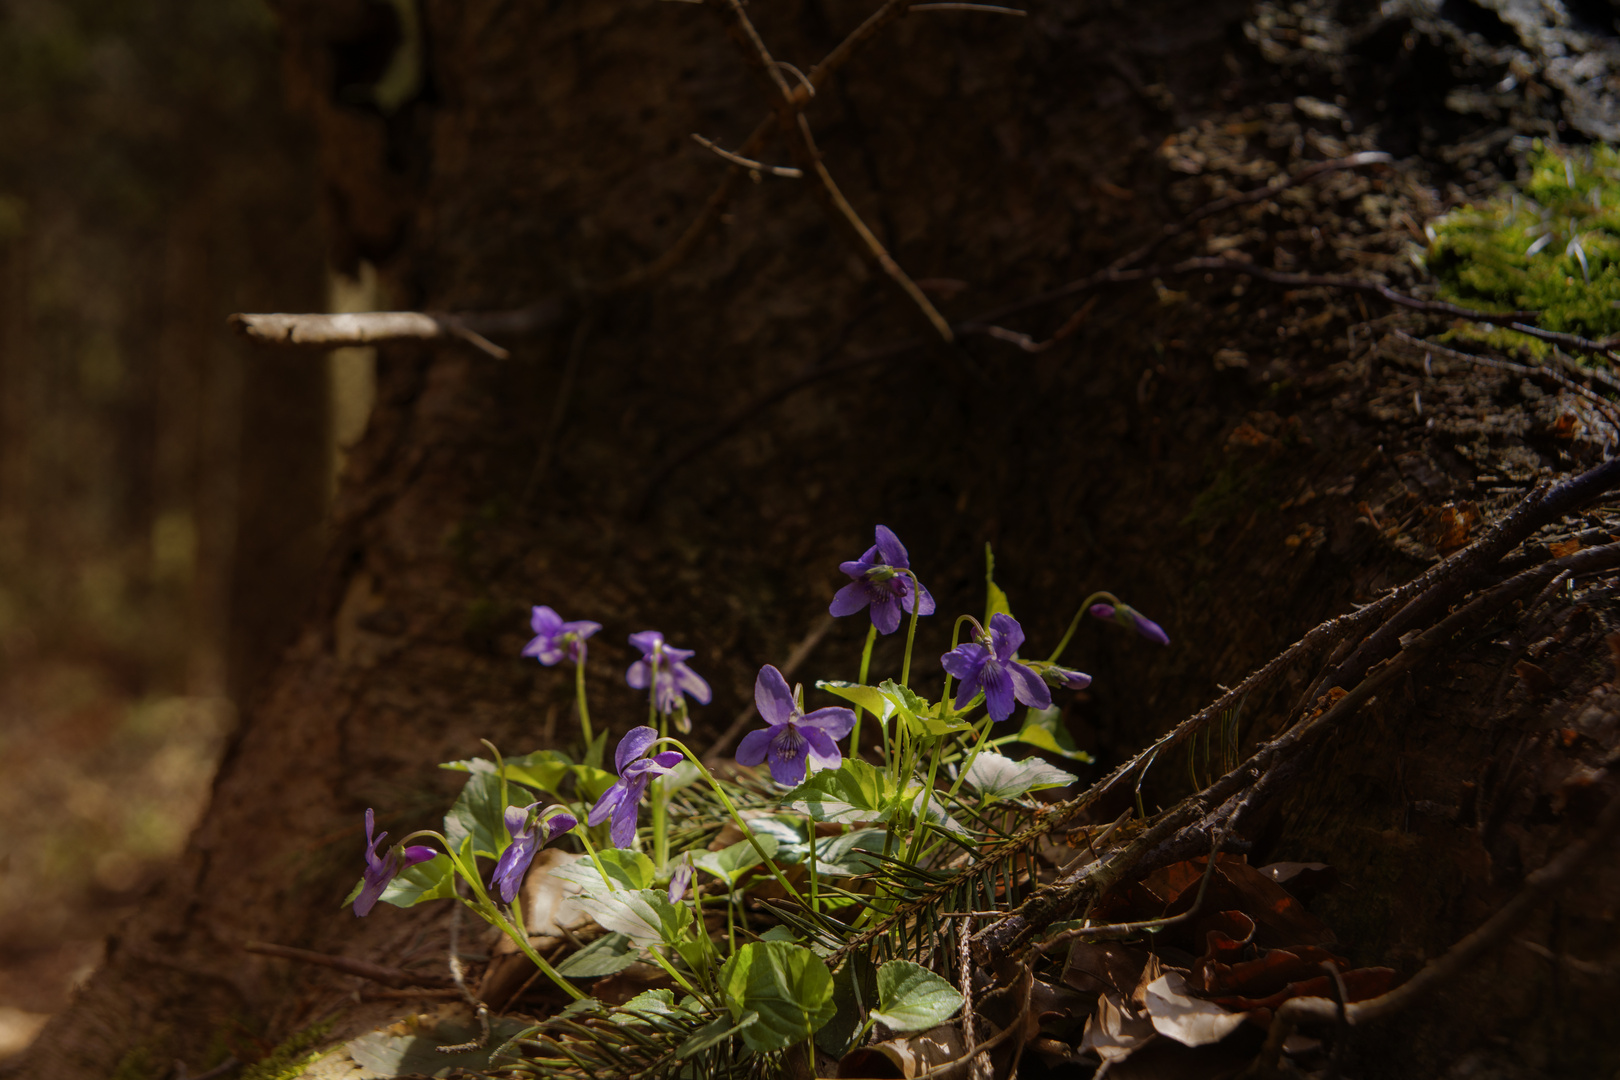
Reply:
x=791, y=743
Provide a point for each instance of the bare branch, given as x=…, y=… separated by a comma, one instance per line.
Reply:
x=995, y=9
x=792, y=114
x=388, y=976
x=323, y=331
x=785, y=171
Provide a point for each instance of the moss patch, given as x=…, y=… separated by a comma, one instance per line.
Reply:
x=1552, y=246
x=293, y=1056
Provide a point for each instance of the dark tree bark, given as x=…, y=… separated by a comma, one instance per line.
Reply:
x=547, y=151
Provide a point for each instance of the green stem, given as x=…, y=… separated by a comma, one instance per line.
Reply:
x=866, y=665
x=927, y=801
x=486, y=909
x=500, y=771
x=815, y=900
x=1074, y=623
x=956, y=637
x=522, y=941
x=703, y=771
x=984, y=733
x=911, y=631
x=663, y=962
x=590, y=849
x=584, y=709
x=660, y=807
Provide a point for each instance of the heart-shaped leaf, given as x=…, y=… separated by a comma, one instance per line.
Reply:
x=787, y=985
x=912, y=998
x=998, y=777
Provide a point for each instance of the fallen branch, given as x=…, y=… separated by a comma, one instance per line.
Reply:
x=396, y=978
x=323, y=331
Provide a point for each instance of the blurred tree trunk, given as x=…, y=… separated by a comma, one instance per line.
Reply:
x=540, y=148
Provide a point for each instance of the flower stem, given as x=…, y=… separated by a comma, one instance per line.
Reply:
x=584, y=709
x=731, y=809
x=984, y=733
x=919, y=828
x=590, y=849
x=911, y=631
x=956, y=635
x=866, y=665
x=815, y=901
x=1085, y=606
x=521, y=937
x=500, y=771
x=486, y=910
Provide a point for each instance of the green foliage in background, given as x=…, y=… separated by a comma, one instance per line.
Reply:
x=1552, y=246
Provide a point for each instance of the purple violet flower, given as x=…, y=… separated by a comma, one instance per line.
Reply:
x=793, y=738
x=1067, y=678
x=530, y=832
x=663, y=667
x=878, y=584
x=623, y=800
x=1131, y=619
x=992, y=666
x=554, y=639
x=680, y=880
x=381, y=869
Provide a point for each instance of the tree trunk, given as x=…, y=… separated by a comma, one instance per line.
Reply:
x=1218, y=450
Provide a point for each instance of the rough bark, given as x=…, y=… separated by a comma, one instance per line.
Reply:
x=549, y=149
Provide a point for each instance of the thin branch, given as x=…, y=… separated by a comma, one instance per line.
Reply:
x=388, y=976
x=794, y=120
x=784, y=171
x=322, y=331
x=994, y=9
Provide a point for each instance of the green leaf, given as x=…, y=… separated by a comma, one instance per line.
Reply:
x=596, y=751
x=932, y=812
x=850, y=854
x=779, y=933
x=728, y=864
x=1044, y=728
x=791, y=847
x=713, y=1032
x=787, y=985
x=625, y=870
x=855, y=791
x=543, y=770
x=870, y=698
x=922, y=717
x=912, y=998
x=645, y=916
x=384, y=1053
x=998, y=777
x=607, y=955
x=478, y=813
x=995, y=600
x=591, y=782
x=652, y=1002
x=431, y=880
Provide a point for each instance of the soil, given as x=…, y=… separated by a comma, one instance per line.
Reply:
x=1239, y=460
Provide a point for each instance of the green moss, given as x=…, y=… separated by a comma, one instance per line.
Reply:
x=292, y=1057
x=136, y=1065
x=1553, y=246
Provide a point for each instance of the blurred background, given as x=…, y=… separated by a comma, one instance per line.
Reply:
x=162, y=485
